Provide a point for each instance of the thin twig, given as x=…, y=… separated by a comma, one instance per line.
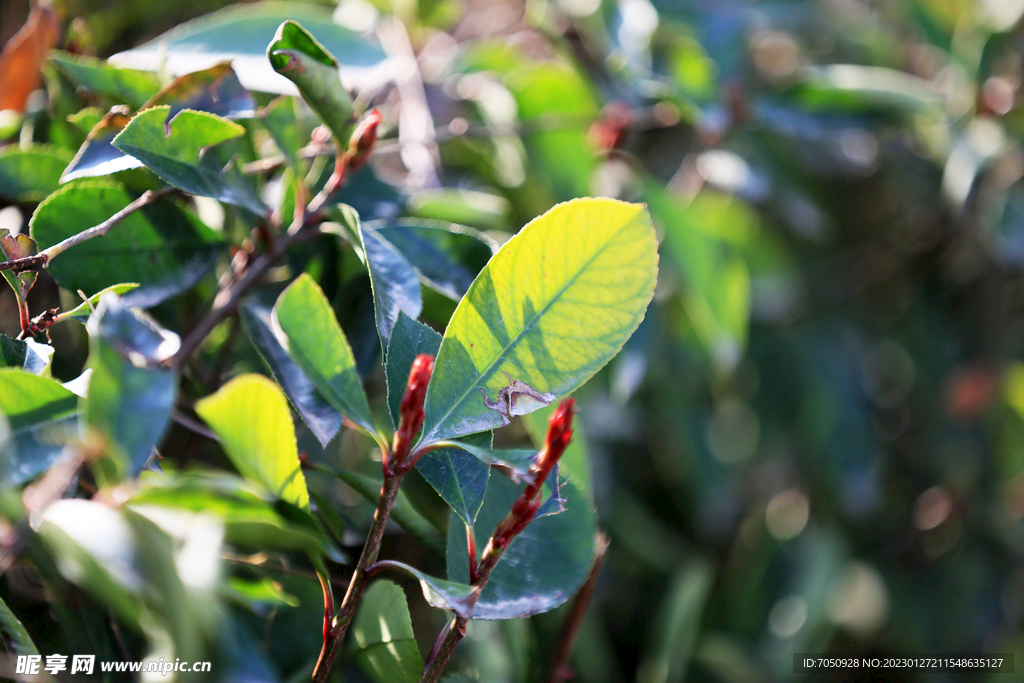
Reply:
x=48, y=254
x=560, y=671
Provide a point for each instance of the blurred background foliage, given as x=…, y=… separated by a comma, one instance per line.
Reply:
x=815, y=441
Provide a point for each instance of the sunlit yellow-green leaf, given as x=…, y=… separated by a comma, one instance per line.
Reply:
x=250, y=415
x=552, y=307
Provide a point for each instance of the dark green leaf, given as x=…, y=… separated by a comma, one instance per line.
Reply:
x=16, y=639
x=396, y=289
x=162, y=247
x=124, y=86
x=459, y=478
x=323, y=420
x=317, y=345
x=409, y=338
x=514, y=463
x=250, y=415
x=42, y=416
x=185, y=157
x=296, y=55
x=279, y=119
x=438, y=592
x=383, y=634
x=446, y=256
x=541, y=568
x=678, y=624
x=403, y=513
x=97, y=156
x=215, y=90
x=29, y=174
x=27, y=355
x=130, y=396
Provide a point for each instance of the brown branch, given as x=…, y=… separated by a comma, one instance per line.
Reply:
x=227, y=300
x=334, y=639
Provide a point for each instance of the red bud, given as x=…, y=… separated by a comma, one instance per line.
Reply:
x=410, y=410
x=363, y=139
x=558, y=439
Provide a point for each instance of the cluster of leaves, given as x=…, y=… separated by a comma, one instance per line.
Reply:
x=108, y=502
x=812, y=442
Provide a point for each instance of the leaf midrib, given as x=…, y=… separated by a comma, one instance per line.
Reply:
x=526, y=327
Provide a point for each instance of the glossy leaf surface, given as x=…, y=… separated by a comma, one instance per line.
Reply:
x=179, y=151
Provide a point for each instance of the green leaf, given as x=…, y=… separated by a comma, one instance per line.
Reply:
x=130, y=396
x=439, y=593
x=278, y=118
x=155, y=566
x=28, y=355
x=459, y=478
x=323, y=420
x=250, y=415
x=317, y=345
x=104, y=564
x=97, y=156
x=162, y=247
x=296, y=55
x=514, y=463
x=403, y=512
x=29, y=174
x=409, y=338
x=447, y=257
x=240, y=33
x=542, y=568
x=252, y=518
x=553, y=306
x=215, y=90
x=180, y=151
x=126, y=86
x=481, y=210
x=82, y=311
x=396, y=289
x=383, y=634
x=702, y=238
x=42, y=416
x=263, y=591
x=16, y=639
